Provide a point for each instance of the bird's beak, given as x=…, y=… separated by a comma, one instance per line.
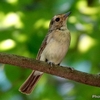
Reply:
x=67, y=14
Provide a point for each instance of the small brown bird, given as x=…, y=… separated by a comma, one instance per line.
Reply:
x=53, y=49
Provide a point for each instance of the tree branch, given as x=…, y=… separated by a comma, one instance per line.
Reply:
x=64, y=72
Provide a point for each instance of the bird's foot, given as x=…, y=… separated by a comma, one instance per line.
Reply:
x=71, y=68
x=51, y=64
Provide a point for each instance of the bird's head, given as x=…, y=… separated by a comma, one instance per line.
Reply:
x=59, y=21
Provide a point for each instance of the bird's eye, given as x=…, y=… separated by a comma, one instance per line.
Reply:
x=57, y=19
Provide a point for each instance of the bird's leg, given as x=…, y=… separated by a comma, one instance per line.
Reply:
x=58, y=64
x=46, y=60
x=50, y=63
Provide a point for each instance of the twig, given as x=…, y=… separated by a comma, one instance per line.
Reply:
x=64, y=72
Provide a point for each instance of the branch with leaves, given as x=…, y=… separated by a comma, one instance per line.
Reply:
x=64, y=72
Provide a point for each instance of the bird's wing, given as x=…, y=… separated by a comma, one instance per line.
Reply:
x=43, y=45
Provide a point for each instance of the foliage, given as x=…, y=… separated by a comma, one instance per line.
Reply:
x=24, y=24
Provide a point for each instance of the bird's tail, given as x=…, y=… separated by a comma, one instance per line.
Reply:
x=30, y=82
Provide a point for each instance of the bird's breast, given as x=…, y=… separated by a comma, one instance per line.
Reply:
x=57, y=47
x=62, y=36
x=55, y=51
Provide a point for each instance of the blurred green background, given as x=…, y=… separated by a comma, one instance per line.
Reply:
x=24, y=24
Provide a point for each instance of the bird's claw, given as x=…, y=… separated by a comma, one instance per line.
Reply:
x=71, y=68
x=51, y=63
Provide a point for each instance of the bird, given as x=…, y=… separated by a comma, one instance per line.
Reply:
x=52, y=50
